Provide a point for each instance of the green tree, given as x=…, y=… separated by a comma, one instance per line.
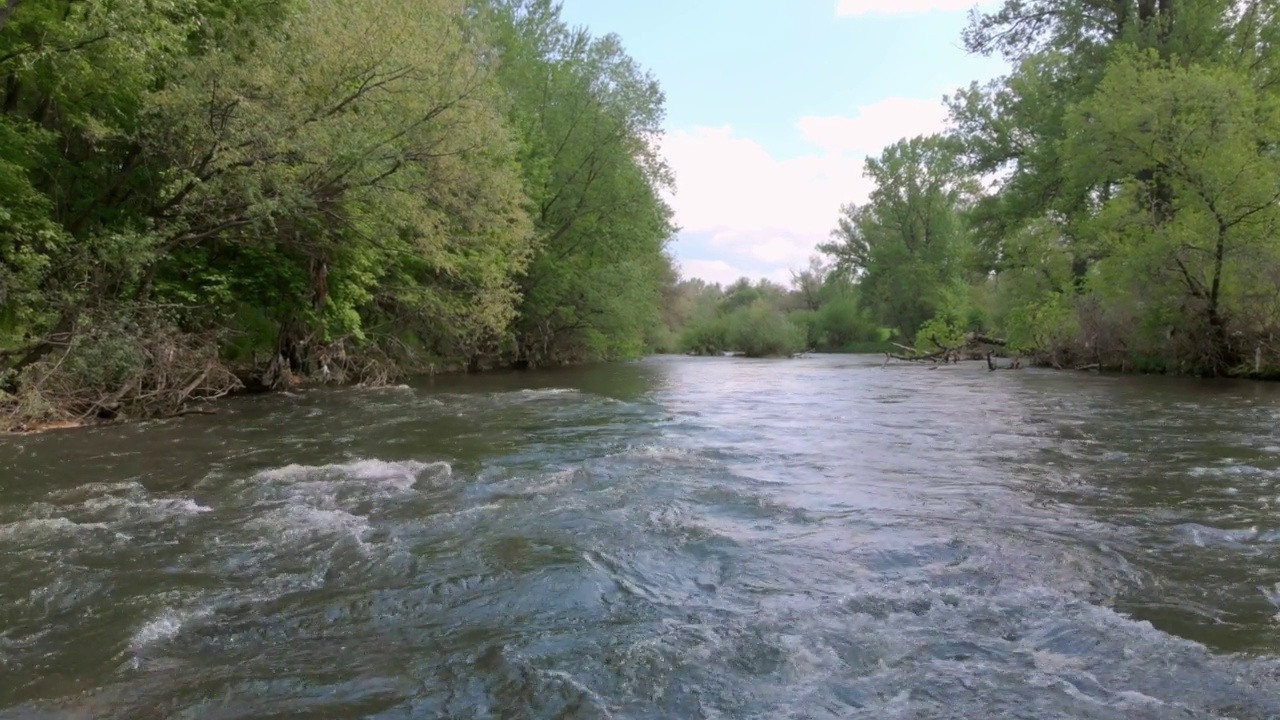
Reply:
x=1209, y=245
x=586, y=115
x=908, y=246
x=340, y=192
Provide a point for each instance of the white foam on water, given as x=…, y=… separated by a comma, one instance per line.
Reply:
x=1133, y=698
x=1232, y=470
x=660, y=453
x=341, y=486
x=91, y=490
x=549, y=391
x=164, y=626
x=597, y=703
x=147, y=506
x=468, y=511
x=401, y=475
x=1204, y=535
x=293, y=523
x=45, y=528
x=553, y=482
x=118, y=502
x=1272, y=594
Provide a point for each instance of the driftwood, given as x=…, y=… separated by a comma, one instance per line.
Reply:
x=970, y=348
x=992, y=365
x=979, y=339
x=916, y=355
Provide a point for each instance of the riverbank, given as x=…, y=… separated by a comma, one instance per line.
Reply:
x=272, y=379
x=17, y=426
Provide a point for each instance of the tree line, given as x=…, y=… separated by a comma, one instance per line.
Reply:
x=819, y=310
x=198, y=196
x=1111, y=201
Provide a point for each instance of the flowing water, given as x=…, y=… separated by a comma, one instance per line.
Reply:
x=672, y=538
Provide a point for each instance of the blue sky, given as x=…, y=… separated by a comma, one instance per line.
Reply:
x=772, y=106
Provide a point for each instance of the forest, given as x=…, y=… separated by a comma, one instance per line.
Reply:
x=1110, y=203
x=199, y=197
x=204, y=196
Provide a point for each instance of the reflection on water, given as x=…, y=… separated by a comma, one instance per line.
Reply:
x=701, y=538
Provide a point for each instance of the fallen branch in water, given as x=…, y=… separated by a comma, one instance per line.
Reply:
x=943, y=354
x=916, y=355
x=992, y=365
x=971, y=347
x=979, y=339
x=117, y=363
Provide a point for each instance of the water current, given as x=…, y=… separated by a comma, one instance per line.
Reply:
x=670, y=538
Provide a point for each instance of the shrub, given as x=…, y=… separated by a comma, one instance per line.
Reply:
x=709, y=337
x=763, y=331
x=841, y=322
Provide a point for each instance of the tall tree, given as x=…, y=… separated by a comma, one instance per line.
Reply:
x=908, y=244
x=1210, y=246
x=587, y=116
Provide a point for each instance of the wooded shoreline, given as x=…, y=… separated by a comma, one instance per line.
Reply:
x=227, y=196
x=932, y=360
x=224, y=195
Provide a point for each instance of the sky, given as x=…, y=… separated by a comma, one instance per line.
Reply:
x=773, y=106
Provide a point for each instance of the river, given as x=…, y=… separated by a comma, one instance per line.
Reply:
x=669, y=538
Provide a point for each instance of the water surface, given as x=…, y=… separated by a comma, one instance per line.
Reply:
x=673, y=538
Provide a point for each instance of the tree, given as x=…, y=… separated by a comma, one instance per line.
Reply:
x=212, y=193
x=585, y=113
x=1110, y=232
x=908, y=245
x=810, y=282
x=1210, y=136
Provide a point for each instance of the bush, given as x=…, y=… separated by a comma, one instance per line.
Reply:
x=763, y=331
x=841, y=322
x=661, y=340
x=808, y=323
x=709, y=337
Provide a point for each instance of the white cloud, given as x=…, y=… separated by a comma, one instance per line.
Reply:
x=713, y=271
x=875, y=126
x=767, y=214
x=732, y=187
x=850, y=8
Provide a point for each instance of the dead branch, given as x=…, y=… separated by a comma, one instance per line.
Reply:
x=970, y=348
x=992, y=365
x=979, y=339
x=124, y=362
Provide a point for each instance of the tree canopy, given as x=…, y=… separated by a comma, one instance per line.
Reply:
x=199, y=195
x=1111, y=201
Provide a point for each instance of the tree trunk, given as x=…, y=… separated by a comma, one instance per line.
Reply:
x=6, y=14
x=1217, y=328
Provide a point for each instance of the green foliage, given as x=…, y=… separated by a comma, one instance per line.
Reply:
x=821, y=311
x=841, y=322
x=760, y=330
x=710, y=336
x=1132, y=218
x=807, y=322
x=399, y=184
x=909, y=244
x=584, y=114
